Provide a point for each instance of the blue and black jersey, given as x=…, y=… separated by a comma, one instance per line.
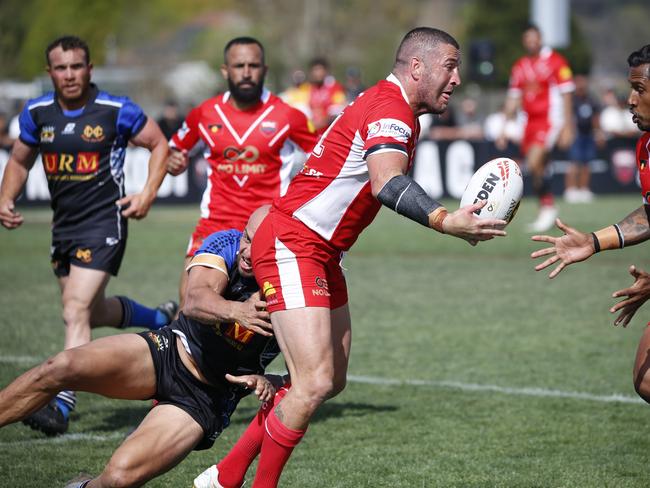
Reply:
x=224, y=348
x=83, y=158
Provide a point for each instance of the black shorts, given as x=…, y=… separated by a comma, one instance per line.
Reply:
x=210, y=407
x=93, y=253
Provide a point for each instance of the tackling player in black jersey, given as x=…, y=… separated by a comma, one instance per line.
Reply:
x=197, y=368
x=81, y=134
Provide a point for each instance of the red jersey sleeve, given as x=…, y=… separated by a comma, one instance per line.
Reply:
x=301, y=130
x=388, y=126
x=562, y=74
x=188, y=135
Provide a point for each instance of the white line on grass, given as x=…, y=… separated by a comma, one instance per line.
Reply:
x=66, y=438
x=538, y=392
x=21, y=359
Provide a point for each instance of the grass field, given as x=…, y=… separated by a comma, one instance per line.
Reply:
x=468, y=368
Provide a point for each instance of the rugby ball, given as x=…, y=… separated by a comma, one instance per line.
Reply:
x=498, y=181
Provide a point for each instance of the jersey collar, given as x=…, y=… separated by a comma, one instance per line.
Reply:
x=393, y=79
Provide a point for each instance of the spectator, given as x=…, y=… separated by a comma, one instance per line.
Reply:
x=171, y=119
x=615, y=119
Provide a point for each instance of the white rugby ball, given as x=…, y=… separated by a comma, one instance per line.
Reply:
x=500, y=183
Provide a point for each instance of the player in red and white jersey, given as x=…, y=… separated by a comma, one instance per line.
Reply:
x=360, y=162
x=575, y=246
x=541, y=84
x=251, y=140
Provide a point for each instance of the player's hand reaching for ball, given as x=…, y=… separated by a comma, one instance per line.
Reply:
x=263, y=388
x=465, y=224
x=572, y=247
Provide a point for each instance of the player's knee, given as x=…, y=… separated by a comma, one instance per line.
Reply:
x=319, y=390
x=643, y=389
x=54, y=372
x=74, y=313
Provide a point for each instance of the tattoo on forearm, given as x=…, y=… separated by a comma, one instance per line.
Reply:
x=635, y=227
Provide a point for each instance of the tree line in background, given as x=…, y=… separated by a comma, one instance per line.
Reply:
x=363, y=33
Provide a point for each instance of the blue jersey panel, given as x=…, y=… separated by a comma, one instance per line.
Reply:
x=225, y=244
x=28, y=128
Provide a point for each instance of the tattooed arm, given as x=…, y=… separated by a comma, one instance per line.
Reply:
x=575, y=246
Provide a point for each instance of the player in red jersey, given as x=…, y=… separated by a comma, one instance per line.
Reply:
x=541, y=84
x=251, y=140
x=359, y=164
x=575, y=246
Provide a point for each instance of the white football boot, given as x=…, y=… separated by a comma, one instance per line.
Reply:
x=208, y=479
x=545, y=220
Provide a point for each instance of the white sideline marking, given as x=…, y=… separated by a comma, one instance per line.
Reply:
x=21, y=359
x=538, y=392
x=66, y=438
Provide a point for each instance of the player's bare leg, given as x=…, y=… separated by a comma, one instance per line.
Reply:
x=316, y=346
x=116, y=367
x=642, y=366
x=81, y=291
x=537, y=160
x=163, y=439
x=316, y=364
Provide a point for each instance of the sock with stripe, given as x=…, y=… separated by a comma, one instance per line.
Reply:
x=137, y=315
x=277, y=446
x=233, y=467
x=66, y=400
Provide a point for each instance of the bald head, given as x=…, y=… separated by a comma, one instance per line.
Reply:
x=256, y=218
x=419, y=42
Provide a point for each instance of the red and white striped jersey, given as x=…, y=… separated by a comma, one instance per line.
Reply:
x=642, y=159
x=331, y=195
x=250, y=154
x=540, y=81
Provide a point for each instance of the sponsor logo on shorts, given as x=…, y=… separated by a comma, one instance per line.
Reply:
x=307, y=171
x=323, y=290
x=161, y=342
x=47, y=133
x=239, y=333
x=112, y=241
x=268, y=289
x=84, y=255
x=93, y=134
x=392, y=128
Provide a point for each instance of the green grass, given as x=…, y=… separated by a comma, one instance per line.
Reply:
x=432, y=316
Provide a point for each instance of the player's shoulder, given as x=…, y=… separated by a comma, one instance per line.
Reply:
x=219, y=241
x=108, y=100
x=209, y=103
x=643, y=141
x=386, y=97
x=45, y=100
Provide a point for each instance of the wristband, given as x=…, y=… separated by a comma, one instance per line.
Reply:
x=608, y=238
x=437, y=217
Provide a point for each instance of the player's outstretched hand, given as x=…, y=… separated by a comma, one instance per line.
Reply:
x=465, y=224
x=635, y=296
x=135, y=206
x=177, y=161
x=9, y=217
x=574, y=246
x=264, y=389
x=252, y=314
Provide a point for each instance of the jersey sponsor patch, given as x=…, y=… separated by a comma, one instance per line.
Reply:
x=392, y=128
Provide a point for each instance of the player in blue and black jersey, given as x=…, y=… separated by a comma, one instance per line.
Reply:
x=81, y=134
x=198, y=368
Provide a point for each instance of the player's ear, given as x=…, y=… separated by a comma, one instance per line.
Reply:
x=224, y=71
x=417, y=68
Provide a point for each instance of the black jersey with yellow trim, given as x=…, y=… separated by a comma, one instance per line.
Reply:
x=83, y=155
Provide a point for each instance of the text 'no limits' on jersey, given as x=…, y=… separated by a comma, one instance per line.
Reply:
x=250, y=153
x=83, y=158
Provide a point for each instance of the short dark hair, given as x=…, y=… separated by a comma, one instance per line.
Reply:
x=67, y=43
x=637, y=58
x=423, y=38
x=244, y=40
x=531, y=26
x=320, y=61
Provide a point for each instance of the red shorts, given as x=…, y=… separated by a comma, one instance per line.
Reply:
x=295, y=267
x=539, y=132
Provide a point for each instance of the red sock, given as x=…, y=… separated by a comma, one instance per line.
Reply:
x=233, y=467
x=277, y=446
x=547, y=200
